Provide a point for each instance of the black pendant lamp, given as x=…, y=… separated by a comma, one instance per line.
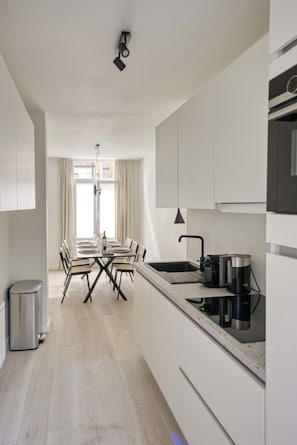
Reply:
x=179, y=218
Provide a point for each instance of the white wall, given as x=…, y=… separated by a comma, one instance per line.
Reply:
x=5, y=255
x=5, y=280
x=159, y=233
x=53, y=185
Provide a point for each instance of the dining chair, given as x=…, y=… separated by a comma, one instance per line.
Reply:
x=128, y=268
x=74, y=261
x=133, y=245
x=128, y=242
x=72, y=269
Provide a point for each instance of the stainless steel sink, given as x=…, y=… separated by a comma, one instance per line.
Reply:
x=178, y=272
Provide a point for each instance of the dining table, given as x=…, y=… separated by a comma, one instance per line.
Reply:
x=103, y=258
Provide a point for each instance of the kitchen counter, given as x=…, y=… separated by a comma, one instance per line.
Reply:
x=251, y=355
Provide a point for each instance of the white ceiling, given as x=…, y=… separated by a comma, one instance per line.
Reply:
x=60, y=54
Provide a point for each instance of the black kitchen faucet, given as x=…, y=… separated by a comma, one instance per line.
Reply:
x=202, y=248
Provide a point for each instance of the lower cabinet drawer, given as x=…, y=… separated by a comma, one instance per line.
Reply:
x=197, y=422
x=233, y=395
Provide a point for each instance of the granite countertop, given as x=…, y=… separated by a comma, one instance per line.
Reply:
x=251, y=355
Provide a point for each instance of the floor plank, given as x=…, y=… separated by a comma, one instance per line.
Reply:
x=87, y=384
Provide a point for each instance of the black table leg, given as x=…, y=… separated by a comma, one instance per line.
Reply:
x=104, y=267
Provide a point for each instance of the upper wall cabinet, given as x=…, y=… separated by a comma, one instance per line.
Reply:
x=8, y=154
x=213, y=149
x=25, y=159
x=282, y=27
x=241, y=128
x=166, y=162
x=196, y=150
x=17, y=171
x=184, y=154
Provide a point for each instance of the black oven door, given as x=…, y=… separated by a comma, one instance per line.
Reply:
x=282, y=164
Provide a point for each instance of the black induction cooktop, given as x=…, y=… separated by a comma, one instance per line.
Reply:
x=256, y=330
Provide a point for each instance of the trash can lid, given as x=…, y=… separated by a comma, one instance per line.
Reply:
x=25, y=287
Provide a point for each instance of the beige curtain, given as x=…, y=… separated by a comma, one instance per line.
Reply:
x=127, y=199
x=66, y=201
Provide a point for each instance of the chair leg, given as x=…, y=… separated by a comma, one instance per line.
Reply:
x=88, y=281
x=68, y=279
x=131, y=276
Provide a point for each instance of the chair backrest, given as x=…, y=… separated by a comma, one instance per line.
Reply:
x=66, y=250
x=134, y=249
x=128, y=242
x=64, y=259
x=134, y=245
x=141, y=252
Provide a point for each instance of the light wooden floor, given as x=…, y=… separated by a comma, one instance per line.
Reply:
x=87, y=384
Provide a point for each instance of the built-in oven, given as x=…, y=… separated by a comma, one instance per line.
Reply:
x=282, y=143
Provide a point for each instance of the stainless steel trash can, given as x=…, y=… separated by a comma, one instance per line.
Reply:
x=24, y=315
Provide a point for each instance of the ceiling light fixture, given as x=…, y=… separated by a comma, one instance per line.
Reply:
x=97, y=185
x=179, y=218
x=122, y=50
x=119, y=63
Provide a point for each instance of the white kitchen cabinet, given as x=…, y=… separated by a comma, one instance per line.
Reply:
x=164, y=344
x=196, y=150
x=155, y=332
x=197, y=422
x=166, y=163
x=8, y=148
x=185, y=154
x=281, y=357
x=231, y=393
x=282, y=24
x=241, y=128
x=142, y=316
x=25, y=159
x=17, y=174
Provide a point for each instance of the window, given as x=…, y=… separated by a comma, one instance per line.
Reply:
x=94, y=198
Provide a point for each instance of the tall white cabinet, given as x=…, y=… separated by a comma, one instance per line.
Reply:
x=17, y=169
x=282, y=24
x=281, y=266
x=281, y=357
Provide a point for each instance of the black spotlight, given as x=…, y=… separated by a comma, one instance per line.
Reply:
x=122, y=49
x=119, y=63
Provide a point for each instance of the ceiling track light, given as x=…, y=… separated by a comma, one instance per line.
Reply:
x=119, y=63
x=122, y=50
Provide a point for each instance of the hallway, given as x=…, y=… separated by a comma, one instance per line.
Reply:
x=87, y=384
